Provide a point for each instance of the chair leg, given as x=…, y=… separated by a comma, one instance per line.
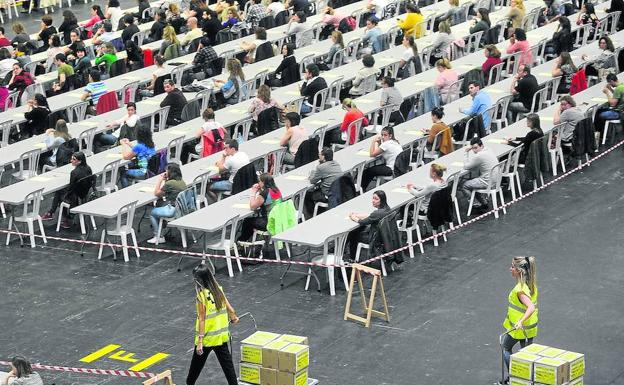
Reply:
x=60, y=215
x=435, y=237
x=238, y=261
x=517, y=175
x=553, y=162
x=136, y=245
x=9, y=228
x=345, y=279
x=307, y=284
x=43, y=235
x=502, y=201
x=410, y=242
x=456, y=203
x=3, y=210
x=512, y=187
x=31, y=232
x=419, y=237
x=183, y=236
x=562, y=160
x=228, y=260
x=383, y=267
x=472, y=197
x=160, y=222
x=101, y=243
x=124, y=246
x=443, y=233
x=330, y=279
x=494, y=203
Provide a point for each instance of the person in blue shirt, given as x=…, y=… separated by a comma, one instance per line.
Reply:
x=371, y=38
x=481, y=101
x=140, y=152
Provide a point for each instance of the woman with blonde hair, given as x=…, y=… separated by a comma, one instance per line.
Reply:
x=521, y=320
x=353, y=113
x=441, y=43
x=516, y=14
x=169, y=38
x=262, y=101
x=338, y=45
x=21, y=36
x=446, y=77
x=231, y=89
x=436, y=172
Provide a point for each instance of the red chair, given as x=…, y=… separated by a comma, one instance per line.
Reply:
x=148, y=57
x=107, y=102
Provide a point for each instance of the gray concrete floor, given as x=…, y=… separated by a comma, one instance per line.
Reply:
x=446, y=306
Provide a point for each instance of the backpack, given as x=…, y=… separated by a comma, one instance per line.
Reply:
x=64, y=152
x=347, y=24
x=579, y=82
x=213, y=141
x=157, y=163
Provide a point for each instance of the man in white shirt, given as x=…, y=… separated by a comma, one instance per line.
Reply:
x=377, y=7
x=231, y=161
x=482, y=162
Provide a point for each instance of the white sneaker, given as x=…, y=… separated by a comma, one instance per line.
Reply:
x=155, y=240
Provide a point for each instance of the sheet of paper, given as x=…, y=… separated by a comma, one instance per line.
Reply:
x=467, y=66
x=494, y=90
x=363, y=153
x=365, y=101
x=147, y=189
x=86, y=124
x=402, y=190
x=237, y=111
x=547, y=118
x=176, y=132
x=414, y=132
x=292, y=92
x=241, y=206
x=457, y=164
x=129, y=78
x=545, y=73
x=114, y=156
x=426, y=84
x=296, y=177
x=320, y=122
x=497, y=141
x=210, y=168
x=40, y=179
x=40, y=145
x=151, y=102
x=599, y=100
x=270, y=141
x=73, y=95
x=19, y=115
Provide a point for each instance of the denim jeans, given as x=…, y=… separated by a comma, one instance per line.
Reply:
x=610, y=115
x=102, y=140
x=221, y=185
x=167, y=211
x=305, y=108
x=132, y=173
x=513, y=110
x=508, y=344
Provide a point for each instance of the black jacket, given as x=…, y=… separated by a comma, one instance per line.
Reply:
x=245, y=178
x=310, y=89
x=538, y=159
x=156, y=32
x=307, y=152
x=264, y=51
x=584, y=142
x=211, y=28
x=562, y=41
x=81, y=181
x=341, y=190
x=268, y=120
x=385, y=238
x=128, y=32
x=177, y=101
x=440, y=209
x=66, y=28
x=402, y=162
x=289, y=70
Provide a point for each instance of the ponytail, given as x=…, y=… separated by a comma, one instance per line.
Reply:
x=526, y=267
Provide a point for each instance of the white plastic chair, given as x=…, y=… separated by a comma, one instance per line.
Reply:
x=30, y=214
x=242, y=129
x=184, y=205
x=333, y=95
x=352, y=50
x=607, y=127
x=5, y=132
x=85, y=141
x=374, y=127
x=108, y=181
x=11, y=100
x=499, y=117
x=474, y=40
x=129, y=91
x=453, y=180
x=174, y=150
x=354, y=127
x=511, y=171
x=332, y=258
x=410, y=214
x=162, y=114
x=319, y=101
x=493, y=188
x=176, y=75
x=66, y=206
x=556, y=153
x=123, y=228
x=228, y=242
x=77, y=112
x=28, y=163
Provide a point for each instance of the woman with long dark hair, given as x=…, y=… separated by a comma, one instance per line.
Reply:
x=564, y=67
x=386, y=146
x=288, y=70
x=588, y=16
x=22, y=373
x=69, y=24
x=134, y=55
x=140, y=153
x=562, y=38
x=168, y=185
x=263, y=195
x=521, y=321
x=211, y=326
x=533, y=122
x=36, y=115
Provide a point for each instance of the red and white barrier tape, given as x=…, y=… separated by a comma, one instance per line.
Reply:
x=303, y=263
x=108, y=372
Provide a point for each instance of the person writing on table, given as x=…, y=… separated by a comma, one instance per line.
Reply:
x=533, y=122
x=386, y=146
x=168, y=185
x=140, y=154
x=214, y=313
x=521, y=321
x=438, y=183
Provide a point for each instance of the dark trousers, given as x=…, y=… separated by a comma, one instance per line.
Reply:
x=311, y=197
x=249, y=225
x=508, y=344
x=361, y=234
x=225, y=360
x=56, y=201
x=371, y=172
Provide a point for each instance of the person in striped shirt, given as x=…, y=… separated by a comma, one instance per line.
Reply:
x=94, y=90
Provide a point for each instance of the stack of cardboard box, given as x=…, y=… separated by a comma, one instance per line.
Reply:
x=542, y=365
x=274, y=359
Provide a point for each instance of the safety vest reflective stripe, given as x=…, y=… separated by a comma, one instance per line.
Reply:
x=518, y=308
x=216, y=314
x=217, y=332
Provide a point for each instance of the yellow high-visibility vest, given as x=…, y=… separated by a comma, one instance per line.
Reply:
x=515, y=311
x=216, y=325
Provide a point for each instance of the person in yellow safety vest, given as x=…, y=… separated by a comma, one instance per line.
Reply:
x=211, y=326
x=521, y=320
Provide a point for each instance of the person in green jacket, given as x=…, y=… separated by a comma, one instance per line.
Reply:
x=107, y=55
x=264, y=195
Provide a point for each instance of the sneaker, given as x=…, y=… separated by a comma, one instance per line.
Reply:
x=47, y=217
x=66, y=224
x=154, y=240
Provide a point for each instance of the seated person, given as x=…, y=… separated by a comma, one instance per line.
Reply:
x=386, y=146
x=54, y=138
x=176, y=101
x=231, y=161
x=436, y=171
x=123, y=128
x=288, y=70
x=445, y=142
x=263, y=195
x=391, y=96
x=64, y=71
x=481, y=162
x=36, y=115
x=533, y=122
x=326, y=172
x=353, y=113
x=76, y=192
x=311, y=85
x=231, y=89
x=569, y=114
x=168, y=185
x=140, y=154
x=93, y=91
x=294, y=135
x=159, y=62
x=369, y=69
x=251, y=46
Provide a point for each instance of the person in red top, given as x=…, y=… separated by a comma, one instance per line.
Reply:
x=4, y=42
x=353, y=114
x=493, y=56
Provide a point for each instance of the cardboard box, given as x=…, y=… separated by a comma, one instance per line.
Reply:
x=519, y=381
x=251, y=347
x=294, y=339
x=250, y=373
x=299, y=378
x=550, y=371
x=268, y=376
x=269, y=353
x=521, y=365
x=576, y=362
x=578, y=381
x=534, y=348
x=293, y=358
x=551, y=352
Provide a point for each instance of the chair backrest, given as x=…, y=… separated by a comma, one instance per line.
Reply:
x=339, y=58
x=242, y=128
x=191, y=110
x=259, y=80
x=158, y=119
x=454, y=91
x=139, y=36
x=185, y=202
x=409, y=216
x=502, y=28
x=512, y=62
x=472, y=45
x=159, y=87
x=555, y=134
x=582, y=35
x=608, y=24
x=308, y=59
x=204, y=97
x=352, y=49
x=369, y=83
x=174, y=150
x=125, y=216
x=496, y=176
x=28, y=163
x=319, y=101
x=320, y=133
x=128, y=93
x=551, y=86
x=425, y=57
x=247, y=88
x=495, y=73
x=295, y=105
x=354, y=130
x=391, y=70
x=229, y=227
x=77, y=112
x=118, y=68
x=107, y=102
x=5, y=132
x=453, y=180
x=173, y=51
x=108, y=181
x=200, y=184
x=540, y=100
x=32, y=203
x=176, y=75
x=11, y=100
x=333, y=95
x=513, y=159
x=501, y=105
x=85, y=141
